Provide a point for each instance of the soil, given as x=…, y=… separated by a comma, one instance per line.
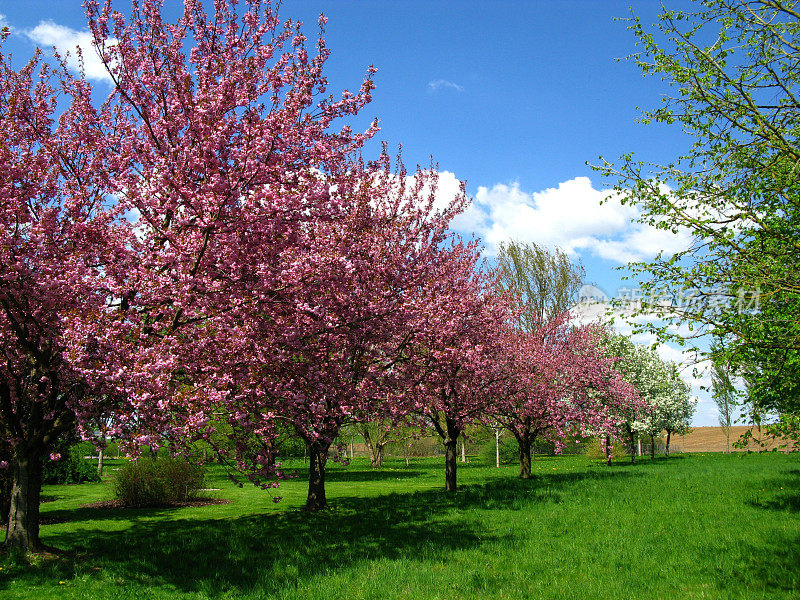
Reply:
x=712, y=439
x=106, y=504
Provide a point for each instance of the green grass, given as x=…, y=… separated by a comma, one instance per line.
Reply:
x=692, y=526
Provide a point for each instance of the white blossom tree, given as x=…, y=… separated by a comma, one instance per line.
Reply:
x=671, y=402
x=668, y=404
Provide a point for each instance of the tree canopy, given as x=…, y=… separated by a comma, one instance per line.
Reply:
x=734, y=68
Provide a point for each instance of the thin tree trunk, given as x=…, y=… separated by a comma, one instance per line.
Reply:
x=669, y=434
x=608, y=450
x=633, y=447
x=497, y=447
x=100, y=456
x=23, y=518
x=463, y=450
x=379, y=450
x=652, y=446
x=524, y=440
x=374, y=448
x=373, y=457
x=271, y=454
x=318, y=457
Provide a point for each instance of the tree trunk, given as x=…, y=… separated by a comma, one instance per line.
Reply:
x=652, y=446
x=633, y=447
x=452, y=433
x=669, y=434
x=450, y=463
x=100, y=456
x=375, y=450
x=375, y=456
x=318, y=456
x=271, y=454
x=463, y=450
x=23, y=518
x=608, y=450
x=378, y=462
x=449, y=431
x=525, y=443
x=497, y=447
x=101, y=453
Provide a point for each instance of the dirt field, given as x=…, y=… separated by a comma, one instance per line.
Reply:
x=712, y=439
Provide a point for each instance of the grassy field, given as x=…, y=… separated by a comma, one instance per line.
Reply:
x=692, y=526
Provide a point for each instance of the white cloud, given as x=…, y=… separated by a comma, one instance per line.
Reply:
x=3, y=21
x=439, y=84
x=448, y=187
x=574, y=215
x=66, y=40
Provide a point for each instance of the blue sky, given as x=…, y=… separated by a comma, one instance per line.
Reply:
x=514, y=97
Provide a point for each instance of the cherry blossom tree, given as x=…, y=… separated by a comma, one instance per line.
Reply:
x=226, y=153
x=457, y=317
x=557, y=379
x=212, y=141
x=338, y=359
x=63, y=252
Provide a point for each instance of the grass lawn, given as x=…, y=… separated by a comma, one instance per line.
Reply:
x=692, y=526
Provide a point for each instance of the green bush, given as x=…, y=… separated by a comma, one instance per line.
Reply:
x=287, y=445
x=158, y=482
x=509, y=448
x=594, y=449
x=509, y=451
x=70, y=467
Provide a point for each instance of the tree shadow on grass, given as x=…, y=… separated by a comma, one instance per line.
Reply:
x=772, y=568
x=776, y=569
x=643, y=462
x=265, y=553
x=786, y=490
x=363, y=475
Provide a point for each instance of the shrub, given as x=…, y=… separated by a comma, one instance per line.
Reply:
x=594, y=449
x=509, y=451
x=158, y=482
x=288, y=445
x=70, y=467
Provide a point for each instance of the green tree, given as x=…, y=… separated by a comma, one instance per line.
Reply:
x=725, y=396
x=734, y=66
x=546, y=280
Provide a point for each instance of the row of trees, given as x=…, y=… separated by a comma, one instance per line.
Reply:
x=204, y=255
